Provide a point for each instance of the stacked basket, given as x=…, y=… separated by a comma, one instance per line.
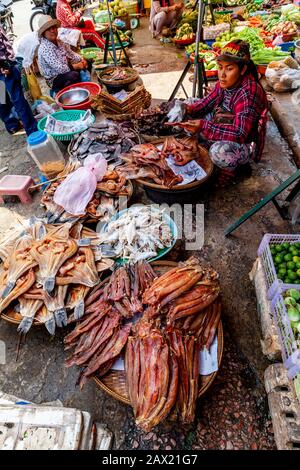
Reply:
x=116, y=109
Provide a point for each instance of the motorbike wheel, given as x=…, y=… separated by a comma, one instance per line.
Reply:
x=34, y=20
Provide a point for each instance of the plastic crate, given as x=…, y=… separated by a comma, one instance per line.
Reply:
x=290, y=346
x=275, y=285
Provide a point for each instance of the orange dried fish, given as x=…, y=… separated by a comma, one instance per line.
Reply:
x=80, y=269
x=51, y=252
x=17, y=263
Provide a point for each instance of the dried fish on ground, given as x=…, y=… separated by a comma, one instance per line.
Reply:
x=138, y=234
x=106, y=137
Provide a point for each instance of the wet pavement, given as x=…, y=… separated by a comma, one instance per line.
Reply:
x=234, y=412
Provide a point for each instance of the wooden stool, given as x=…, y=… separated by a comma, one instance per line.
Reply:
x=16, y=185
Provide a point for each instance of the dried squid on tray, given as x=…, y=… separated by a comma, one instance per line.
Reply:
x=17, y=263
x=51, y=252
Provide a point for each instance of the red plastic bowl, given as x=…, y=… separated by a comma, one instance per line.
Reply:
x=92, y=87
x=185, y=42
x=262, y=69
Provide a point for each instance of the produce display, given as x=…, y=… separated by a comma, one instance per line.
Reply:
x=139, y=233
x=286, y=258
x=189, y=16
x=252, y=6
x=209, y=59
x=184, y=32
x=212, y=32
x=47, y=273
x=284, y=27
x=192, y=47
x=291, y=13
x=180, y=315
x=117, y=8
x=259, y=53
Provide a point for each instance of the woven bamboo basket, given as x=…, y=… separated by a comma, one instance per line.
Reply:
x=114, y=382
x=15, y=318
x=132, y=77
x=139, y=98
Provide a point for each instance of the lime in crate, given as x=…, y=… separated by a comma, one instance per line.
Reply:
x=280, y=256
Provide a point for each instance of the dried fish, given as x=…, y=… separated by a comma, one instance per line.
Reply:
x=138, y=233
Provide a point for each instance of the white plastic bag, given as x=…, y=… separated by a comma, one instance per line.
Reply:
x=76, y=191
x=283, y=78
x=177, y=112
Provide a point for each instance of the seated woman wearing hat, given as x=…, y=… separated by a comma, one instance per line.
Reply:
x=73, y=19
x=57, y=62
x=232, y=118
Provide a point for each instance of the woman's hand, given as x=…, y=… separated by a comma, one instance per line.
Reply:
x=192, y=126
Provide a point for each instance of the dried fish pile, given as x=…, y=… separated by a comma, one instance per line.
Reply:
x=139, y=233
x=47, y=270
x=106, y=137
x=103, y=205
x=150, y=121
x=147, y=161
x=161, y=348
x=102, y=335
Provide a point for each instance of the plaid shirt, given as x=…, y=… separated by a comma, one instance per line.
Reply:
x=247, y=104
x=66, y=16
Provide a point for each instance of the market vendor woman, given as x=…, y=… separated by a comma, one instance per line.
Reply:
x=57, y=62
x=232, y=118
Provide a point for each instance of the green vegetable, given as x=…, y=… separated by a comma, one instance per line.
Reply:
x=295, y=326
x=294, y=293
x=294, y=314
x=290, y=301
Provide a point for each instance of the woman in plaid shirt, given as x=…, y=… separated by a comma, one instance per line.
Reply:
x=232, y=118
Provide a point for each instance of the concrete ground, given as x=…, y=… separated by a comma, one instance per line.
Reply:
x=233, y=414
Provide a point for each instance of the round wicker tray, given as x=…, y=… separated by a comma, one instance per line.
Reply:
x=133, y=76
x=114, y=382
x=205, y=163
x=15, y=318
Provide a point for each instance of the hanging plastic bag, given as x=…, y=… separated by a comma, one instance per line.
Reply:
x=33, y=85
x=76, y=191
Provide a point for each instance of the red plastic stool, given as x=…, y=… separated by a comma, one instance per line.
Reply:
x=16, y=185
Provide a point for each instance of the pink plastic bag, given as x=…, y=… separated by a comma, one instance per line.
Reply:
x=76, y=191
